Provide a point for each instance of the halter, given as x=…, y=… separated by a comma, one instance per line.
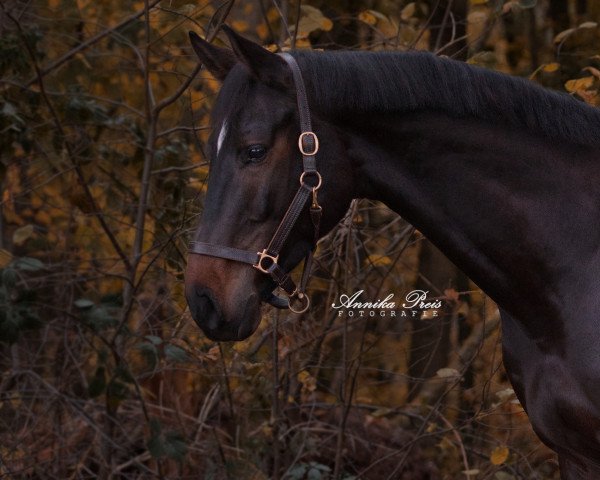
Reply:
x=266, y=261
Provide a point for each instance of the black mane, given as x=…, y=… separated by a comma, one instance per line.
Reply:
x=341, y=82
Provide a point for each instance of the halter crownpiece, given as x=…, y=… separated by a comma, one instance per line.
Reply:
x=266, y=261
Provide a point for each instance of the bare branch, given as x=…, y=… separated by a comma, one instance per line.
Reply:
x=84, y=45
x=71, y=154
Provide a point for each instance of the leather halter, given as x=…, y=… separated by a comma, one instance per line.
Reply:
x=266, y=261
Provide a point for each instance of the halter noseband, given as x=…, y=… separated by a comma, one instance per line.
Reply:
x=266, y=261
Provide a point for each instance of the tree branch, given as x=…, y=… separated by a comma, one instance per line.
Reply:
x=84, y=45
x=71, y=154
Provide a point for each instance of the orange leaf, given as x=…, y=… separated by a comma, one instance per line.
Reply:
x=499, y=455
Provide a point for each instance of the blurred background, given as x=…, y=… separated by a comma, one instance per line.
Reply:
x=104, y=116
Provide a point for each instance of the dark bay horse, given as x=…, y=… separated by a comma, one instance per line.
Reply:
x=502, y=175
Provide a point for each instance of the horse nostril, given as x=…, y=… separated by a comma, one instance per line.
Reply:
x=204, y=309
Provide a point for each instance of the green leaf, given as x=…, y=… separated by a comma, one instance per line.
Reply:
x=153, y=339
x=98, y=383
x=527, y=3
x=150, y=353
x=504, y=476
x=175, y=353
x=314, y=474
x=99, y=317
x=166, y=444
x=9, y=328
x=9, y=277
x=83, y=303
x=23, y=234
x=29, y=264
x=297, y=472
x=116, y=392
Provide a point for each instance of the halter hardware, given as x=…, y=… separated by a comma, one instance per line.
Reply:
x=266, y=261
x=264, y=255
x=302, y=142
x=299, y=297
x=319, y=179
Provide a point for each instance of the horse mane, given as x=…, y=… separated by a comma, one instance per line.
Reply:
x=340, y=82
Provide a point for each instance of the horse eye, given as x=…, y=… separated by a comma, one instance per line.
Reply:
x=256, y=152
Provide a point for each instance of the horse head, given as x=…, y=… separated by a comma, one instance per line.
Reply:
x=255, y=167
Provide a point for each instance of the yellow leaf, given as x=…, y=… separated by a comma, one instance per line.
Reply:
x=594, y=71
x=432, y=427
x=551, y=67
x=272, y=14
x=53, y=3
x=5, y=258
x=42, y=217
x=312, y=19
x=473, y=471
x=447, y=373
x=309, y=383
x=262, y=31
x=408, y=11
x=379, y=260
x=22, y=234
x=499, y=455
x=303, y=43
x=326, y=24
x=16, y=401
x=382, y=412
x=477, y=17
x=367, y=17
x=240, y=25
x=579, y=84
x=505, y=394
x=563, y=35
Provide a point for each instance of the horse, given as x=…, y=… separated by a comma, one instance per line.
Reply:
x=500, y=174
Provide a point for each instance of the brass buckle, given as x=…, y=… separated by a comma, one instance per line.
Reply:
x=262, y=256
x=301, y=297
x=301, y=143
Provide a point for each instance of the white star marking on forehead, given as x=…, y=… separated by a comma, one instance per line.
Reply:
x=221, y=137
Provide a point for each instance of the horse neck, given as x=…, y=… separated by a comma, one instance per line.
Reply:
x=509, y=207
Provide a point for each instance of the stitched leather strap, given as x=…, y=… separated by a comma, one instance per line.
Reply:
x=309, y=161
x=289, y=220
x=229, y=253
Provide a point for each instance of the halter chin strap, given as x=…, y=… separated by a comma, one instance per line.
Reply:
x=266, y=261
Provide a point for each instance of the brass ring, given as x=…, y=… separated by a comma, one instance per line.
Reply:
x=318, y=185
x=301, y=145
x=302, y=297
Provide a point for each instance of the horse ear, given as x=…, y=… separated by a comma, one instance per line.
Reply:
x=218, y=61
x=268, y=67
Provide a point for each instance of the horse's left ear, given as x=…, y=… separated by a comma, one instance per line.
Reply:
x=218, y=61
x=268, y=67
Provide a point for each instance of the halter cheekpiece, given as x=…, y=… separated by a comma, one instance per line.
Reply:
x=266, y=261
